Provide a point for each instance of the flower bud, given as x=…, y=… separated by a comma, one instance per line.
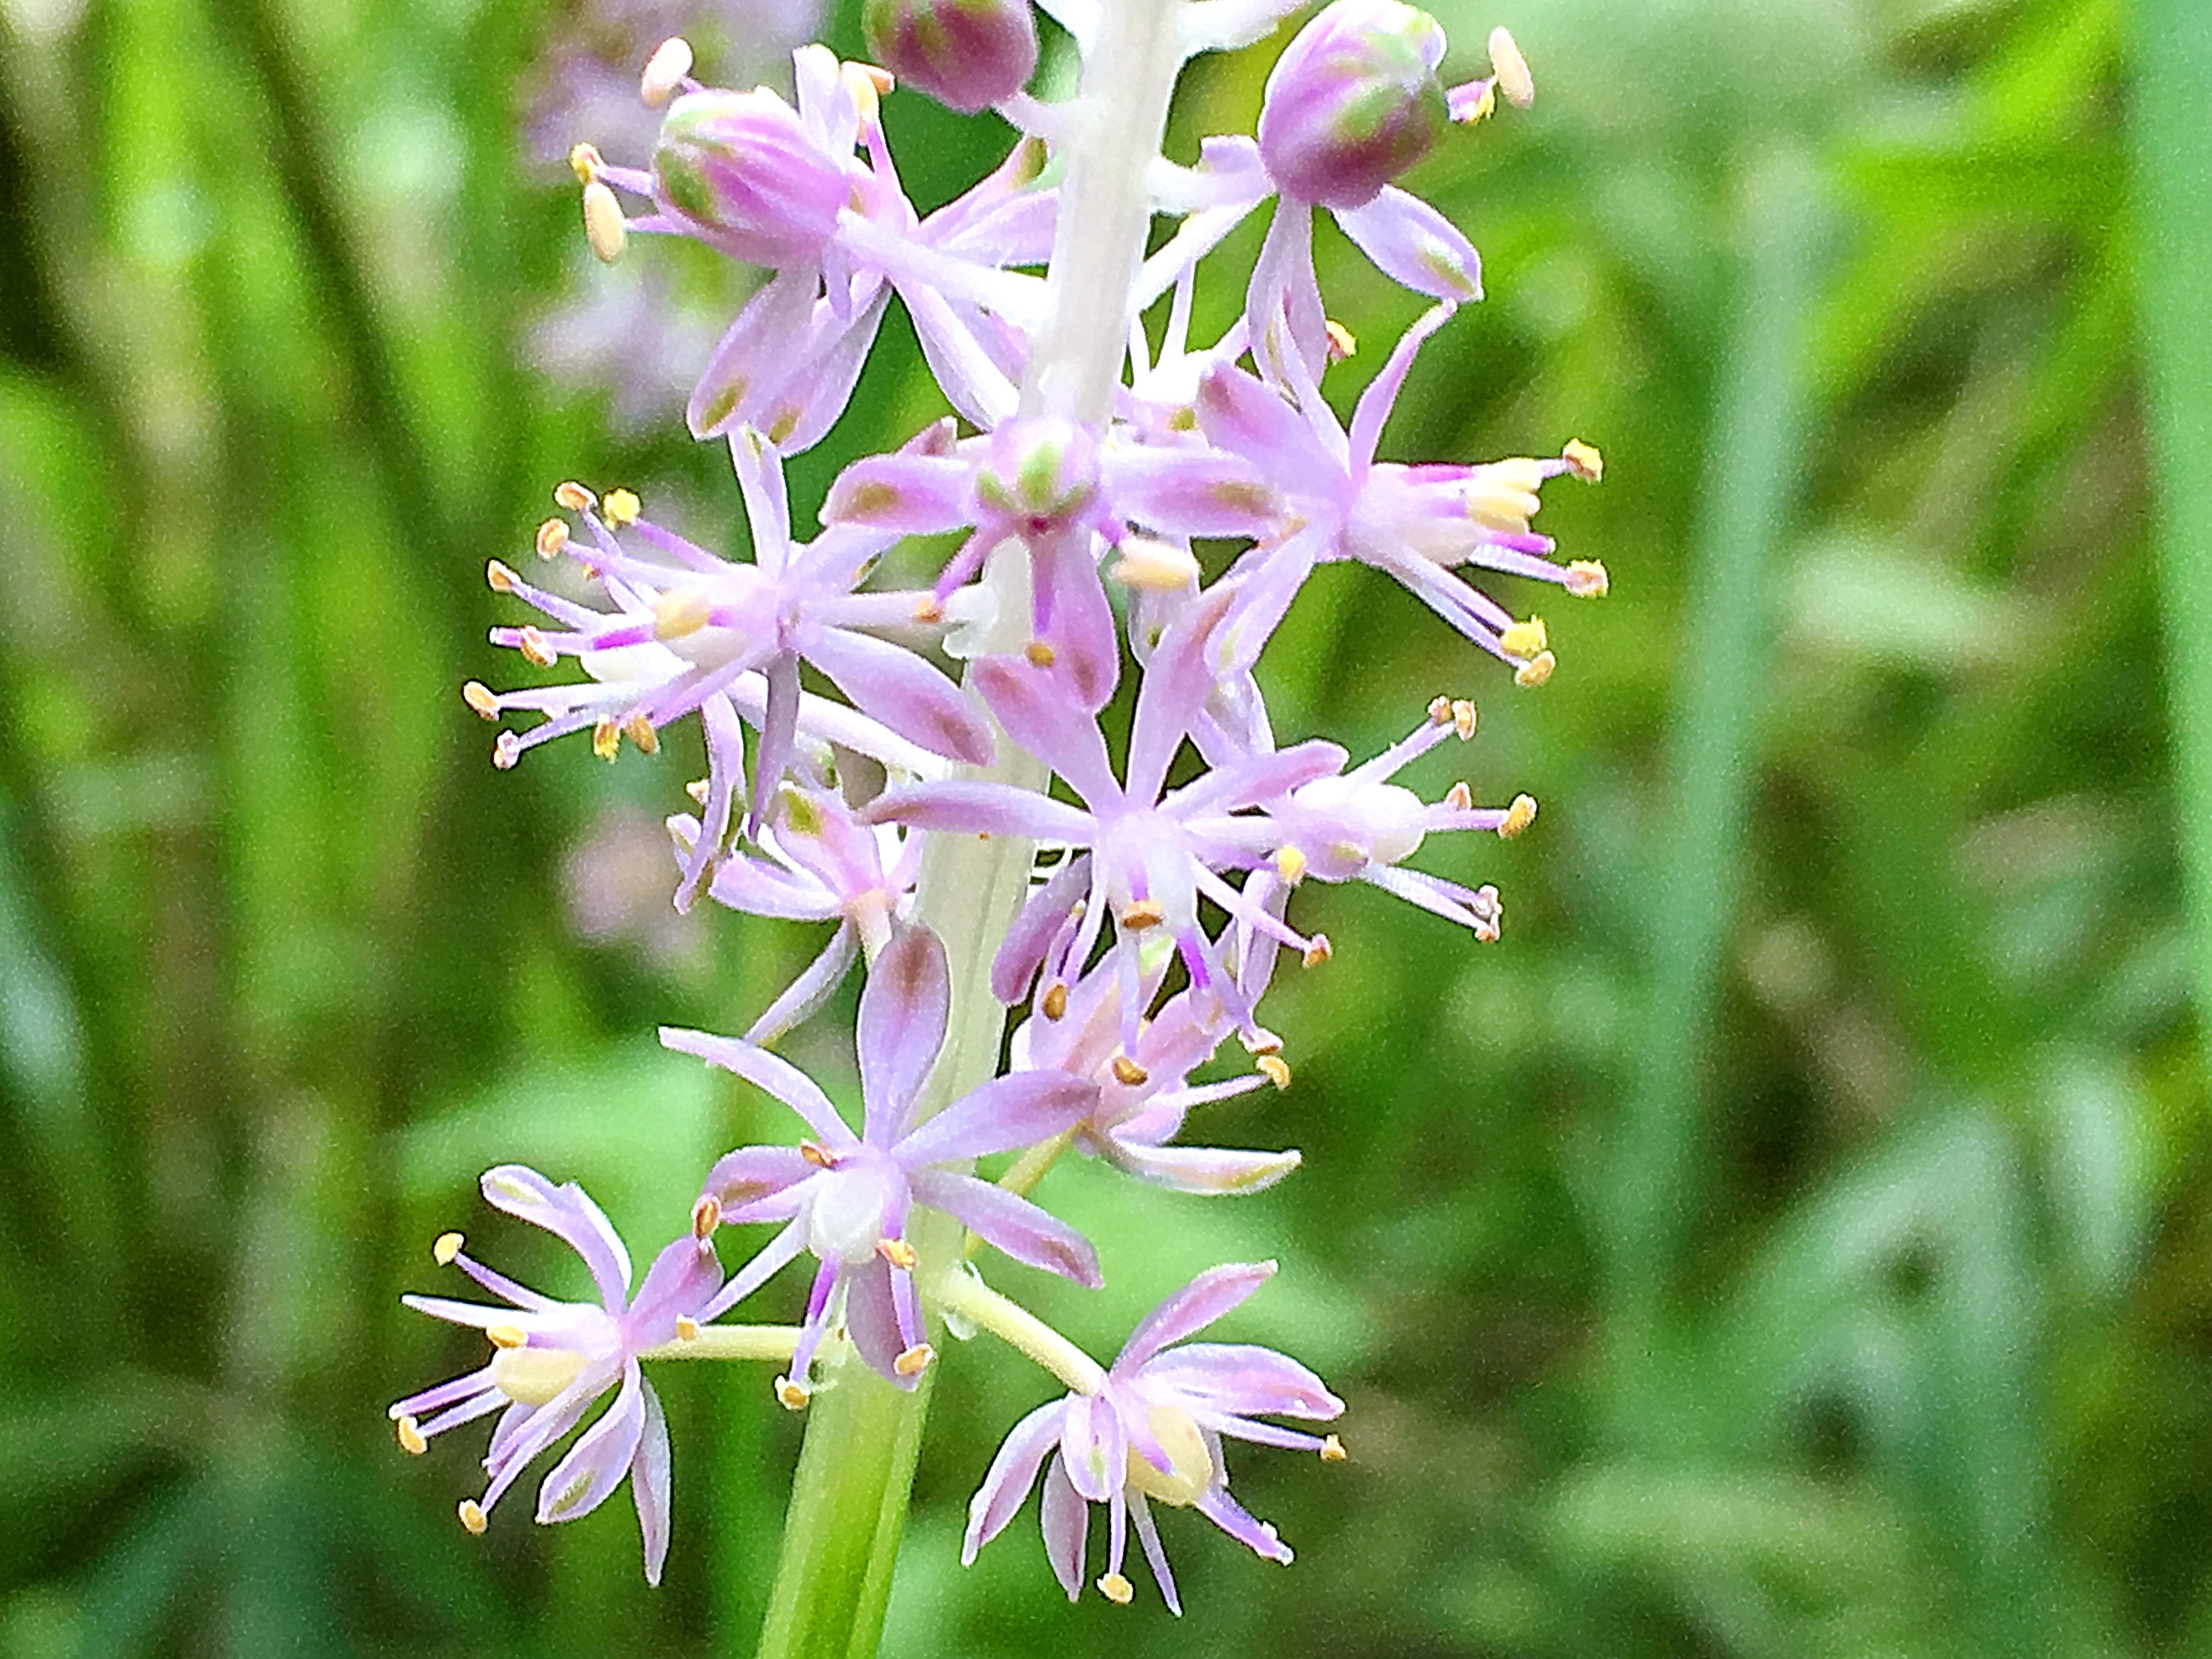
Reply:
x=968, y=54
x=741, y=167
x=1353, y=102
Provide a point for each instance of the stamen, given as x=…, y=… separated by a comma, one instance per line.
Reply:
x=606, y=737
x=604, y=227
x=1583, y=461
x=1273, y=1067
x=792, y=1397
x=552, y=538
x=1332, y=1449
x=699, y=789
x=1586, y=579
x=1289, y=865
x=1155, y=566
x=1040, y=654
x=1116, y=1589
x=1341, y=344
x=1127, y=1072
x=585, y=161
x=1511, y=70
x=680, y=612
x=642, y=733
x=410, y=1438
x=664, y=71
x=1459, y=797
x=444, y=1248
x=480, y=697
x=687, y=1329
x=1463, y=718
x=898, y=1252
x=1440, y=710
x=926, y=611
x=1055, y=1004
x=1519, y=816
x=1523, y=638
x=914, y=1360
x=1535, y=672
x=814, y=1152
x=1318, y=951
x=573, y=496
x=1142, y=914
x=506, y=749
x=706, y=1216
x=623, y=507
x=473, y=1518
x=499, y=578
x=535, y=651
x=507, y=1336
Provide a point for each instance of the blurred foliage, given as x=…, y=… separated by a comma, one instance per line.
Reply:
x=1791, y=1239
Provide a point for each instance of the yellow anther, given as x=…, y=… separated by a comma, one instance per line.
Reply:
x=481, y=697
x=473, y=1516
x=444, y=1248
x=881, y=79
x=505, y=1336
x=1053, y=1004
x=604, y=227
x=927, y=611
x=706, y=1216
x=680, y=612
x=898, y=1252
x=792, y=1397
x=1332, y=1449
x=1142, y=914
x=1463, y=718
x=1127, y=1072
x=573, y=496
x=506, y=749
x=1318, y=951
x=1440, y=710
x=1536, y=670
x=1155, y=566
x=1511, y=70
x=1273, y=1067
x=1459, y=797
x=552, y=538
x=687, y=1329
x=664, y=71
x=410, y=1438
x=1586, y=579
x=814, y=1152
x=535, y=651
x=1117, y=1589
x=913, y=1361
x=1583, y=461
x=640, y=732
x=1519, y=816
x=585, y=161
x=623, y=507
x=1523, y=638
x=606, y=737
x=1040, y=654
x=1341, y=344
x=501, y=578
x=1290, y=866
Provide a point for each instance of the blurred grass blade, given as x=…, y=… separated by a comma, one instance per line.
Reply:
x=2173, y=215
x=1749, y=496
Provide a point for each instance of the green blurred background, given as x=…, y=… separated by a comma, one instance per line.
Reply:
x=1792, y=1239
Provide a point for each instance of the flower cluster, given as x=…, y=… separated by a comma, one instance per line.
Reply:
x=1156, y=888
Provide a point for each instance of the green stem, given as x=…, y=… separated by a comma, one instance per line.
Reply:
x=963, y=1293
x=848, y=1497
x=774, y=1342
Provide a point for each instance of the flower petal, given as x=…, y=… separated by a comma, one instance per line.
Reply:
x=1014, y=1224
x=1240, y=1378
x=1039, y=715
x=1017, y=1110
x=982, y=809
x=1012, y=1473
x=648, y=1484
x=1196, y=1306
x=1413, y=244
x=1066, y=1519
x=570, y=1216
x=903, y=1008
x=901, y=691
x=771, y=1073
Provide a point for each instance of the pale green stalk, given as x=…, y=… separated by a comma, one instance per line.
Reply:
x=848, y=1497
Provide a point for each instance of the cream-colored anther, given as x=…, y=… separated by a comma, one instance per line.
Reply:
x=1155, y=566
x=506, y=749
x=1140, y=914
x=410, y=1438
x=1535, y=672
x=1116, y=1589
x=792, y=1397
x=1332, y=1449
x=1053, y=1004
x=505, y=1336
x=552, y=539
x=573, y=496
x=1464, y=718
x=666, y=72
x=1040, y=654
x=481, y=697
x=814, y=1152
x=1127, y=1072
x=868, y=84
x=444, y=1248
x=606, y=737
x=1440, y=710
x=622, y=507
x=501, y=578
x=1583, y=461
x=913, y=1362
x=1586, y=579
x=1459, y=797
x=927, y=611
x=1512, y=68
x=639, y=730
x=535, y=650
x=473, y=1518
x=1519, y=816
x=585, y=161
x=699, y=789
x=687, y=1329
x=1523, y=638
x=1318, y=951
x=1274, y=1069
x=680, y=612
x=1341, y=342
x=1289, y=865
x=706, y=1216
x=604, y=227
x=1501, y=495
x=898, y=1252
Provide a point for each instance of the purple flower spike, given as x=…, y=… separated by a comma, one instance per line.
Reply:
x=846, y=1197
x=550, y=1361
x=1153, y=1433
x=966, y=54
